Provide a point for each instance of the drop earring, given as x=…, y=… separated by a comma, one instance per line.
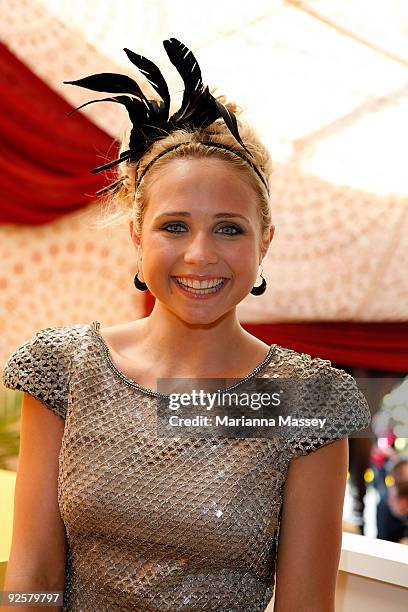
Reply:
x=258, y=290
x=138, y=283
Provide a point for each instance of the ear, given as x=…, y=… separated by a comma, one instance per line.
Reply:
x=266, y=243
x=134, y=235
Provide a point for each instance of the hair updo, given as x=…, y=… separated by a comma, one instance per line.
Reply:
x=126, y=205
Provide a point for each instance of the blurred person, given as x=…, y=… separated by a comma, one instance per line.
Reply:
x=392, y=509
x=383, y=453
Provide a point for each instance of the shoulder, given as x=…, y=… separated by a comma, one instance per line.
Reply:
x=297, y=364
x=323, y=392
x=41, y=365
x=288, y=362
x=124, y=339
x=48, y=342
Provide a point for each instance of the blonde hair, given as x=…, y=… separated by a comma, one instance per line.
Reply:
x=126, y=204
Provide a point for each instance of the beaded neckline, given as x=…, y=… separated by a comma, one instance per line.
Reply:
x=95, y=326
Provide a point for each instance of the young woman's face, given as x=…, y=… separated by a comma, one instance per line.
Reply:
x=202, y=220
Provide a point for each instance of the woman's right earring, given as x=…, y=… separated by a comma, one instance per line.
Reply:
x=139, y=284
x=258, y=290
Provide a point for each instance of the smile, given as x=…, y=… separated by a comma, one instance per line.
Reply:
x=202, y=292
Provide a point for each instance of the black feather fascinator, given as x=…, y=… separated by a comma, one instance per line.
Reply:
x=150, y=119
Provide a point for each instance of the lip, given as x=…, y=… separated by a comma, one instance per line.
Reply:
x=199, y=277
x=204, y=296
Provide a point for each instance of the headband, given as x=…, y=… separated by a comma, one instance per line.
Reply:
x=150, y=119
x=204, y=142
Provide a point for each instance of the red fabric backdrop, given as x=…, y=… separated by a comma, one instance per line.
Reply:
x=44, y=174
x=377, y=346
x=45, y=156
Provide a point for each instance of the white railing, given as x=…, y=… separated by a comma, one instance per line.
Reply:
x=373, y=576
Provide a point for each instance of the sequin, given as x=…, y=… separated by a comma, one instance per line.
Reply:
x=161, y=524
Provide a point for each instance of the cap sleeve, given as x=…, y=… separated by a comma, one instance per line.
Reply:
x=41, y=367
x=344, y=407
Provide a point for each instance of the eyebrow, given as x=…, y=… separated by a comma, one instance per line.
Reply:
x=187, y=214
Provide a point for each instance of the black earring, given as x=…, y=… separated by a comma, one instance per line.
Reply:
x=258, y=290
x=139, y=284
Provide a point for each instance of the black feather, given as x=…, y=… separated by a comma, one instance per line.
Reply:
x=150, y=119
x=187, y=66
x=137, y=109
x=109, y=82
x=115, y=162
x=111, y=99
x=231, y=122
x=155, y=78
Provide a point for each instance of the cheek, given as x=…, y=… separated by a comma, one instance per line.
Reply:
x=244, y=258
x=159, y=253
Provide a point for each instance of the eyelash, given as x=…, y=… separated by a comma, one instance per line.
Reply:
x=235, y=227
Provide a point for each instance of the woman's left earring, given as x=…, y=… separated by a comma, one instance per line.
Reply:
x=139, y=284
x=260, y=289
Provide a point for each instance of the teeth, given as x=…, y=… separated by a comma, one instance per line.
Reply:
x=196, y=284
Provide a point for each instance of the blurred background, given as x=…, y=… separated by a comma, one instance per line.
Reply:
x=325, y=85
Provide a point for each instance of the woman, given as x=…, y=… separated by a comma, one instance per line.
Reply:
x=120, y=517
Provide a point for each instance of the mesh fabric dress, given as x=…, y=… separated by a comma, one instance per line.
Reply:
x=162, y=524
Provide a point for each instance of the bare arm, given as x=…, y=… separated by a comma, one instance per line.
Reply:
x=37, y=558
x=311, y=530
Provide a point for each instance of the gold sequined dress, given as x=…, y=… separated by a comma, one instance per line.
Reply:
x=158, y=524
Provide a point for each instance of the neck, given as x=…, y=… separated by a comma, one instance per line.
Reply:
x=205, y=347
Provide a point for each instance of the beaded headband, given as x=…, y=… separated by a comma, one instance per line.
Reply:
x=150, y=119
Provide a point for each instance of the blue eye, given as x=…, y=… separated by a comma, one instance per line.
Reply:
x=236, y=228
x=166, y=227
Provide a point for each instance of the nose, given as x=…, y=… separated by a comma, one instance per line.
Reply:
x=200, y=250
